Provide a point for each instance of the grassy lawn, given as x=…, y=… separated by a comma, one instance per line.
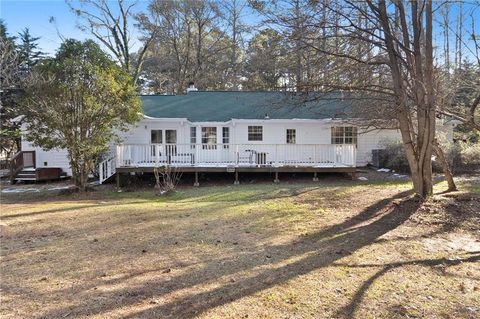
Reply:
x=311, y=250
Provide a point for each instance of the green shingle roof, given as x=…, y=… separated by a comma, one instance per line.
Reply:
x=223, y=106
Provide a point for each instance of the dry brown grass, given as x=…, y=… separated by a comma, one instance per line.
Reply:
x=331, y=250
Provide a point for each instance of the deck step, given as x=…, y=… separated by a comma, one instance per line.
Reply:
x=25, y=179
x=27, y=174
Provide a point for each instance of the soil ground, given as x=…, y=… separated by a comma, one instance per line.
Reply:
x=298, y=249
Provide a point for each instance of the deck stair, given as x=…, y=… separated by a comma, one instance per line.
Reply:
x=26, y=174
x=106, y=169
x=23, y=168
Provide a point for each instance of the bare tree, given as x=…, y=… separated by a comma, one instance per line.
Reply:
x=111, y=26
x=459, y=96
x=461, y=89
x=401, y=74
x=189, y=46
x=233, y=16
x=291, y=19
x=166, y=179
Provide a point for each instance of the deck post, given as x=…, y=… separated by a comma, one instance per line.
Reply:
x=354, y=175
x=196, y=183
x=117, y=177
x=276, y=180
x=315, y=177
x=236, y=182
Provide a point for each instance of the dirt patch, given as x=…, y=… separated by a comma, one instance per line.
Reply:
x=455, y=243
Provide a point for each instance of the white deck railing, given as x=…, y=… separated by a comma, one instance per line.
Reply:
x=219, y=155
x=106, y=169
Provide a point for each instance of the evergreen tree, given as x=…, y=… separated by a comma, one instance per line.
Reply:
x=30, y=54
x=81, y=98
x=9, y=93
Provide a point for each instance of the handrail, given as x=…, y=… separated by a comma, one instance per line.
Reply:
x=106, y=169
x=17, y=163
x=253, y=154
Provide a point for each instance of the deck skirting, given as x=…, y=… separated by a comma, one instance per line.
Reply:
x=262, y=169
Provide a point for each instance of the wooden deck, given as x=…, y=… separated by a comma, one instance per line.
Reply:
x=236, y=159
x=236, y=155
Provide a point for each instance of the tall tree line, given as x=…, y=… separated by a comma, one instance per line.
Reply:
x=18, y=55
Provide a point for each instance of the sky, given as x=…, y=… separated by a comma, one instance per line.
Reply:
x=36, y=14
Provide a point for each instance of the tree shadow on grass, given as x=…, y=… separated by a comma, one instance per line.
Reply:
x=311, y=252
x=348, y=311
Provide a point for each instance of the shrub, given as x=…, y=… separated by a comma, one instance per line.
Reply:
x=393, y=157
x=470, y=154
x=461, y=157
x=464, y=157
x=166, y=179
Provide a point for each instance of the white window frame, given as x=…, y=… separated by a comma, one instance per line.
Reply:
x=225, y=137
x=255, y=133
x=193, y=136
x=291, y=138
x=160, y=133
x=168, y=138
x=344, y=135
x=208, y=137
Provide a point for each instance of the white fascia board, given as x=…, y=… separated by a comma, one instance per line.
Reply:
x=247, y=121
x=211, y=123
x=164, y=119
x=281, y=121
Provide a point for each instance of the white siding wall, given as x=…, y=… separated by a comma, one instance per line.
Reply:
x=373, y=140
x=274, y=132
x=141, y=132
x=316, y=133
x=53, y=158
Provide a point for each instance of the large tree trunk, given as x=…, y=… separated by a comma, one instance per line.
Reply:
x=445, y=167
x=80, y=170
x=421, y=175
x=417, y=131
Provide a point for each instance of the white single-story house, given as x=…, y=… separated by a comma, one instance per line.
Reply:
x=207, y=131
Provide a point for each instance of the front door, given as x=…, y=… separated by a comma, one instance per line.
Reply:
x=171, y=141
x=156, y=139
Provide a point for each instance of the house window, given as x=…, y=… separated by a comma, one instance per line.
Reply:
x=291, y=136
x=156, y=137
x=255, y=133
x=344, y=135
x=193, y=136
x=225, y=136
x=209, y=137
x=171, y=136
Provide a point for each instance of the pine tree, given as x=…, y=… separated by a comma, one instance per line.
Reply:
x=9, y=92
x=29, y=52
